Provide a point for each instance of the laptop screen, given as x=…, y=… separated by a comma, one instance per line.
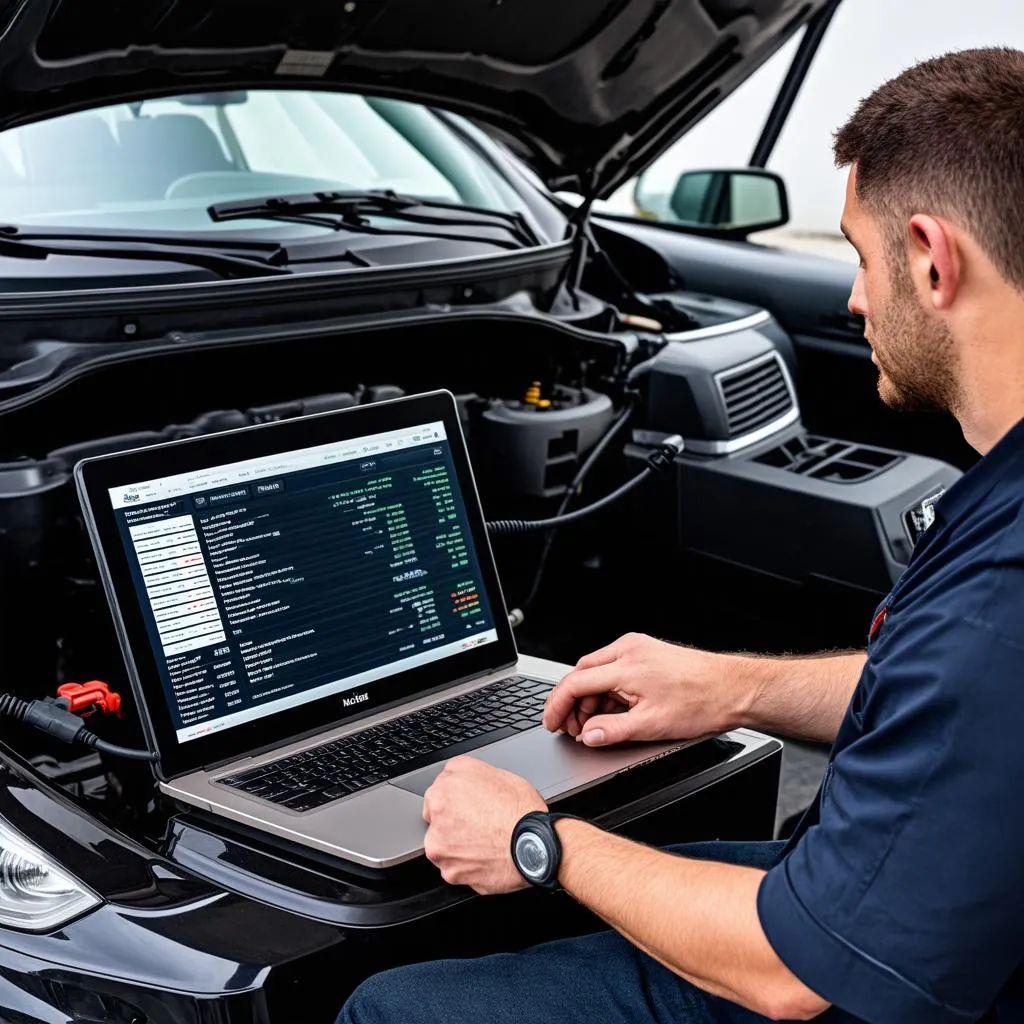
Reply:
x=269, y=583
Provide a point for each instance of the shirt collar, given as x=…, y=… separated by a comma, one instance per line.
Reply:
x=978, y=481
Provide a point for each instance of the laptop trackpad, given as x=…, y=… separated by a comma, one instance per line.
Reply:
x=554, y=763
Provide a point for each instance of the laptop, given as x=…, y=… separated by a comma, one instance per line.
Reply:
x=312, y=622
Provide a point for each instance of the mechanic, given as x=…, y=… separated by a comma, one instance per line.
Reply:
x=900, y=898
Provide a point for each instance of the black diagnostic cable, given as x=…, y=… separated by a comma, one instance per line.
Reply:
x=662, y=455
x=50, y=717
x=571, y=491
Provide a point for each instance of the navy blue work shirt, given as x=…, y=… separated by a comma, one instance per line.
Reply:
x=900, y=898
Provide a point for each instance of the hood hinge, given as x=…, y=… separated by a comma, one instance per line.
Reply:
x=579, y=231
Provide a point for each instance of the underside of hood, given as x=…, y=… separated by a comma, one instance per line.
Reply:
x=587, y=91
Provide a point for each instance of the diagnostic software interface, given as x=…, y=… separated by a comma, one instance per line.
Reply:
x=278, y=580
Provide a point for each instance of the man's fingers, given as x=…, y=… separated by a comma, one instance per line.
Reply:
x=576, y=684
x=572, y=724
x=604, y=730
x=582, y=710
x=602, y=656
x=431, y=847
x=559, y=711
x=612, y=706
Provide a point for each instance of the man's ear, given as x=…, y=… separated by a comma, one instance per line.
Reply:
x=935, y=260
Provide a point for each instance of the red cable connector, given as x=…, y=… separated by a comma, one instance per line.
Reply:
x=88, y=697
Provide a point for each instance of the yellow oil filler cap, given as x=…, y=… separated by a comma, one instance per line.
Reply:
x=532, y=396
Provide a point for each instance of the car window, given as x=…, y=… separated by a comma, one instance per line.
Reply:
x=159, y=164
x=714, y=142
x=869, y=42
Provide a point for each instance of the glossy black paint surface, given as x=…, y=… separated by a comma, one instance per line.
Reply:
x=206, y=924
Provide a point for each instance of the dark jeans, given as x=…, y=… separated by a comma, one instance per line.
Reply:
x=596, y=979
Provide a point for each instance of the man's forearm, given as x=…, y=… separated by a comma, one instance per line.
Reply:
x=803, y=697
x=698, y=918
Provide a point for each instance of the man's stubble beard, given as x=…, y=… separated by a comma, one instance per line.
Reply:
x=915, y=354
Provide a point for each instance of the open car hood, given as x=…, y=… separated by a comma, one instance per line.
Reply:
x=587, y=91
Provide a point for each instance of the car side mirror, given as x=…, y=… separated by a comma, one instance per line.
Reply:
x=722, y=204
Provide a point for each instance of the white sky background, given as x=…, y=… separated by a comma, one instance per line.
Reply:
x=868, y=42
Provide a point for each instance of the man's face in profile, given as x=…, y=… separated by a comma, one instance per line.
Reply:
x=911, y=347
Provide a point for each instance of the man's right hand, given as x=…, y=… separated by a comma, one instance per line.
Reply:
x=639, y=688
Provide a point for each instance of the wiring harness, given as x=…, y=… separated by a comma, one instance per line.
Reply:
x=59, y=716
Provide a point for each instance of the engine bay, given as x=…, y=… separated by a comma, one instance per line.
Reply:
x=554, y=412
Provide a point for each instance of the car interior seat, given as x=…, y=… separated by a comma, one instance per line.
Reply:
x=159, y=150
x=78, y=151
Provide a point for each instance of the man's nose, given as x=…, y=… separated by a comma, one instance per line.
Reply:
x=858, y=304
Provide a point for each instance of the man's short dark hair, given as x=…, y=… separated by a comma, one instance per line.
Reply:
x=946, y=138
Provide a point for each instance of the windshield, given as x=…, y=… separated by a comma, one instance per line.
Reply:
x=158, y=165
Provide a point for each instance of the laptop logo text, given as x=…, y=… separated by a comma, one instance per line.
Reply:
x=347, y=702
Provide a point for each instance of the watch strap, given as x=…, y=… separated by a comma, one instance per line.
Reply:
x=542, y=823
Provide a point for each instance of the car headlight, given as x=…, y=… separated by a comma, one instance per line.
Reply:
x=36, y=894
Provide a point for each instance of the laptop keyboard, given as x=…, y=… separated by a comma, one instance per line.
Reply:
x=317, y=776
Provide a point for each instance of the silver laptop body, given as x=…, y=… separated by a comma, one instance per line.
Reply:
x=383, y=825
x=273, y=588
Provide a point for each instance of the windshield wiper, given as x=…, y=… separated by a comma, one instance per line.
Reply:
x=351, y=211
x=17, y=244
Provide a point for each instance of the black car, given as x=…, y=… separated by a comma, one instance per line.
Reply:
x=217, y=213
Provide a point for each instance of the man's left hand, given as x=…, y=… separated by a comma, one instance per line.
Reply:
x=471, y=810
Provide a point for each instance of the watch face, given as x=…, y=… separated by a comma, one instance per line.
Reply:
x=532, y=855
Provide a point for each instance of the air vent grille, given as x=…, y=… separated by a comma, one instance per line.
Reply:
x=755, y=395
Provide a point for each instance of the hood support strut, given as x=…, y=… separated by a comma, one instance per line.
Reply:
x=794, y=80
x=578, y=231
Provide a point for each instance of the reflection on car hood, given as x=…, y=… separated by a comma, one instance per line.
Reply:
x=589, y=91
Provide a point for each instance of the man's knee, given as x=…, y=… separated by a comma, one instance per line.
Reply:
x=378, y=1000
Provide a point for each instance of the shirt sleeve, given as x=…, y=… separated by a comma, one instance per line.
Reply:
x=904, y=903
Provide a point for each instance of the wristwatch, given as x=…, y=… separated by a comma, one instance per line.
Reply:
x=536, y=851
